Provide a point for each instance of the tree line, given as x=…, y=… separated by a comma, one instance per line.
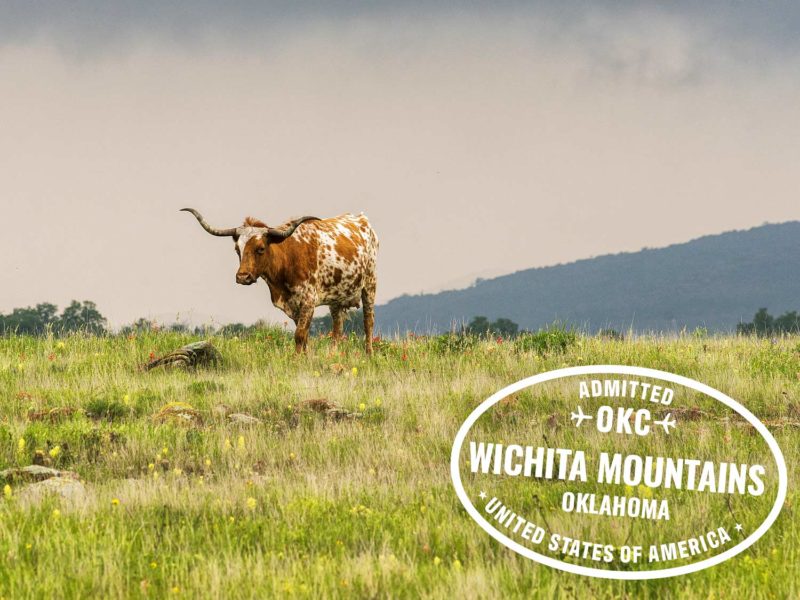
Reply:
x=85, y=317
x=44, y=318
x=765, y=325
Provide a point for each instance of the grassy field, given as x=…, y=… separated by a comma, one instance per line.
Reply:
x=300, y=504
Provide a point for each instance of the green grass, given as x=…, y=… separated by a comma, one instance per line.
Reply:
x=299, y=505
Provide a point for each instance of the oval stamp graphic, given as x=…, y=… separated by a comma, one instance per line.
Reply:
x=618, y=472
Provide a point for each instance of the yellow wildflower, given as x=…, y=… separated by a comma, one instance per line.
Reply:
x=60, y=345
x=21, y=445
x=208, y=462
x=55, y=451
x=354, y=371
x=457, y=564
x=228, y=444
x=115, y=502
x=176, y=589
x=251, y=503
x=240, y=442
x=377, y=401
x=20, y=367
x=56, y=513
x=7, y=491
x=177, y=471
x=645, y=491
x=362, y=406
x=164, y=451
x=437, y=561
x=126, y=398
x=151, y=466
x=292, y=456
x=153, y=565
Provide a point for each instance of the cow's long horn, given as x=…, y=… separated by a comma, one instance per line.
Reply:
x=213, y=231
x=285, y=233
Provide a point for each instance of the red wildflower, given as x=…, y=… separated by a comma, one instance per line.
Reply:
x=51, y=357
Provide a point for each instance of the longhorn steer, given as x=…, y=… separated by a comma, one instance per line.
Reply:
x=309, y=262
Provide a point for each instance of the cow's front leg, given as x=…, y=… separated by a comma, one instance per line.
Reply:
x=303, y=321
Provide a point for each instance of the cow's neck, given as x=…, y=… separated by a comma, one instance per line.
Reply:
x=276, y=263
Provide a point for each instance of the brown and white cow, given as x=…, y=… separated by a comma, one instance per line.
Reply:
x=309, y=262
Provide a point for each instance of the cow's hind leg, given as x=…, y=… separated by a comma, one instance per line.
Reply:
x=337, y=317
x=303, y=321
x=368, y=302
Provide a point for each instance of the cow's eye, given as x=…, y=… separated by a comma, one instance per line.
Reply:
x=260, y=251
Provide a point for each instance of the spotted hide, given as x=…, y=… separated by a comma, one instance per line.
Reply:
x=310, y=262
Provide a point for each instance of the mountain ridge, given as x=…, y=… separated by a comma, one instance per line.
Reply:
x=713, y=281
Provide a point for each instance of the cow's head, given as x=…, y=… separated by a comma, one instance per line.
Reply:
x=251, y=242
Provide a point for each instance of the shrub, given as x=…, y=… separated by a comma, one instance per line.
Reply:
x=556, y=338
x=103, y=408
x=453, y=342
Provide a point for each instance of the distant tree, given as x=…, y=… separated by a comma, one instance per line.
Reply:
x=204, y=330
x=788, y=322
x=46, y=313
x=78, y=316
x=479, y=325
x=764, y=324
x=29, y=321
x=503, y=327
x=140, y=325
x=81, y=316
x=234, y=329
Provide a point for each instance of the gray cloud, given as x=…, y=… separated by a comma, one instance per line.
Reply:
x=85, y=25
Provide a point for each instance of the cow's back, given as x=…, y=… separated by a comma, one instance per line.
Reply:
x=347, y=249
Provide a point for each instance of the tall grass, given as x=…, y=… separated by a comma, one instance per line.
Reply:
x=308, y=506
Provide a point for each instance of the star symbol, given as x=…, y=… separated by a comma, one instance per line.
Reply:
x=482, y=495
x=739, y=527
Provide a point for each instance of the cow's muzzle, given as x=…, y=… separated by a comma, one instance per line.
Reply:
x=245, y=278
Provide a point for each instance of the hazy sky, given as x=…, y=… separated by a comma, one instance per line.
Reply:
x=479, y=138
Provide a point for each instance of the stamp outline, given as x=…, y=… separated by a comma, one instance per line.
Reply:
x=455, y=472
